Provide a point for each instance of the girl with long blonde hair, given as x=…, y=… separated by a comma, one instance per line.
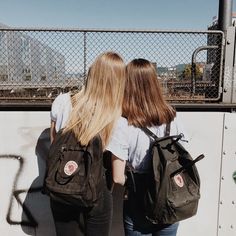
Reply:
x=93, y=110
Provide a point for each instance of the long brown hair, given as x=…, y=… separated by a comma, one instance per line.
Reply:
x=144, y=104
x=98, y=105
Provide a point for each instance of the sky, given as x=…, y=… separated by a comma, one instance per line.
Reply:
x=110, y=14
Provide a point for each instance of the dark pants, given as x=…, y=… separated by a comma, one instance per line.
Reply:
x=72, y=221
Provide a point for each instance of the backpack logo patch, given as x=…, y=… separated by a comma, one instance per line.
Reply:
x=179, y=180
x=70, y=167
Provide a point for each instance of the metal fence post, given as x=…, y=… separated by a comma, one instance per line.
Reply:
x=228, y=65
x=225, y=14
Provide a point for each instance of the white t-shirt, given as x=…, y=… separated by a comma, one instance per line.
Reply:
x=60, y=110
x=131, y=144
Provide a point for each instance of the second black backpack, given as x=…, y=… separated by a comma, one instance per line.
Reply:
x=173, y=189
x=75, y=173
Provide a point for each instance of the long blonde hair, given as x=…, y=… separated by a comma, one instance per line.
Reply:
x=144, y=104
x=98, y=105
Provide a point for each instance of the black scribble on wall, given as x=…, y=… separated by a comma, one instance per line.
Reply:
x=15, y=195
x=31, y=222
x=36, y=218
x=35, y=201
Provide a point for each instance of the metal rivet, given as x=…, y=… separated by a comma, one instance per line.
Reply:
x=231, y=226
x=233, y=202
x=224, y=152
x=221, y=202
x=234, y=176
x=222, y=177
x=226, y=127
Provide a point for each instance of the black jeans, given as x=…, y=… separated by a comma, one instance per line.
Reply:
x=72, y=221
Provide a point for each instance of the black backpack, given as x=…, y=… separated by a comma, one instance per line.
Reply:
x=173, y=187
x=74, y=173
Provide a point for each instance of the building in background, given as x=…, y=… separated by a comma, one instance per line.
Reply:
x=26, y=59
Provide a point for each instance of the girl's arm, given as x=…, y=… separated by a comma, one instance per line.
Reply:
x=118, y=170
x=52, y=130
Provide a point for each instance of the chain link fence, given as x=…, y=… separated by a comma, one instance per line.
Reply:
x=37, y=64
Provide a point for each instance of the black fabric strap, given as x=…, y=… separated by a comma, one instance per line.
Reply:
x=167, y=132
x=150, y=133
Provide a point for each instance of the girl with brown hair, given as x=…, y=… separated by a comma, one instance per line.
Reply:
x=143, y=106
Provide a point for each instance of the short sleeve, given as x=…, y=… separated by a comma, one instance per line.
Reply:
x=60, y=110
x=177, y=127
x=55, y=107
x=119, y=143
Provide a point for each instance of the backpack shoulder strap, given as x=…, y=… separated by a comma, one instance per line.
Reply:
x=149, y=133
x=167, y=132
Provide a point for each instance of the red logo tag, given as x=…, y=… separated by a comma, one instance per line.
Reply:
x=70, y=167
x=179, y=180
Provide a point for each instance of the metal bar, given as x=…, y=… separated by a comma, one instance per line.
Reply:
x=85, y=55
x=193, y=67
x=228, y=65
x=111, y=30
x=178, y=106
x=225, y=14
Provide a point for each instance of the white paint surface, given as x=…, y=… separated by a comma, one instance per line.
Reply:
x=23, y=134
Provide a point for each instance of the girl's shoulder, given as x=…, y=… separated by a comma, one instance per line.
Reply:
x=61, y=98
x=178, y=127
x=58, y=105
x=176, y=122
x=121, y=127
x=122, y=122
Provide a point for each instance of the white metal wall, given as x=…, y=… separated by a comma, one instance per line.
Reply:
x=227, y=207
x=23, y=143
x=205, y=132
